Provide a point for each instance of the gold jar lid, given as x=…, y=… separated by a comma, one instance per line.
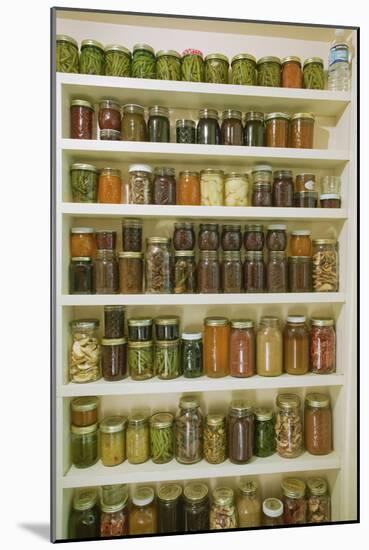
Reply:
x=293, y=487
x=170, y=53
x=81, y=103
x=132, y=255
x=216, y=321
x=269, y=321
x=269, y=59
x=168, y=320
x=113, y=341
x=167, y=343
x=236, y=175
x=317, y=400
x=140, y=322
x=241, y=56
x=231, y=113
x=215, y=419
x=84, y=404
x=221, y=56
x=317, y=486
x=241, y=406
x=291, y=58
x=254, y=115
x=209, y=171
x=145, y=47
x=184, y=254
x=242, y=323
x=189, y=402
x=85, y=324
x=158, y=240
x=66, y=38
x=254, y=227
x=196, y=492
x=223, y=496
x=83, y=430
x=263, y=413
x=115, y=106
x=309, y=116
x=132, y=222
x=90, y=42
x=137, y=419
x=113, y=424
x=83, y=166
x=117, y=48
x=169, y=492
x=325, y=241
x=249, y=487
x=208, y=113
x=288, y=400
x=299, y=259
x=270, y=116
x=162, y=420
x=133, y=344
x=322, y=322
x=318, y=60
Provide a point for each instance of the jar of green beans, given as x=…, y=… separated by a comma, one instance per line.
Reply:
x=83, y=179
x=92, y=58
x=143, y=61
x=244, y=69
x=168, y=65
x=67, y=57
x=117, y=60
x=162, y=437
x=192, y=69
x=141, y=360
x=216, y=68
x=314, y=73
x=264, y=432
x=166, y=359
x=269, y=71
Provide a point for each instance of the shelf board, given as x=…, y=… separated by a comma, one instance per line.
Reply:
x=173, y=471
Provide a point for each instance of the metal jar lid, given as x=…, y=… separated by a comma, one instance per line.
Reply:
x=325, y=241
x=161, y=420
x=210, y=171
x=108, y=171
x=317, y=400
x=231, y=113
x=322, y=322
x=191, y=336
x=301, y=233
x=242, y=323
x=169, y=492
x=289, y=58
x=83, y=166
x=261, y=168
x=84, y=499
x=263, y=413
x=158, y=240
x=299, y=259
x=245, y=56
x=137, y=419
x=136, y=255
x=296, y=319
x=84, y=404
x=288, y=400
x=158, y=110
x=113, y=424
x=269, y=320
x=235, y=175
x=209, y=227
x=241, y=406
x=276, y=227
x=184, y=254
x=254, y=254
x=140, y=322
x=170, y=53
x=66, y=38
x=216, y=321
x=83, y=430
x=248, y=487
x=273, y=507
x=85, y=324
x=293, y=487
x=109, y=133
x=208, y=255
x=182, y=123
x=167, y=343
x=208, y=113
x=109, y=104
x=196, y=492
x=115, y=308
x=168, y=320
x=254, y=115
x=113, y=341
x=133, y=108
x=111, y=508
x=223, y=496
x=189, y=402
x=231, y=255
x=269, y=59
x=82, y=230
x=140, y=344
x=143, y=496
x=318, y=60
x=254, y=227
x=215, y=419
x=306, y=195
x=81, y=103
x=272, y=116
x=220, y=56
x=317, y=486
x=309, y=116
x=81, y=259
x=145, y=47
x=280, y=174
x=117, y=48
x=90, y=42
x=132, y=222
x=140, y=168
x=184, y=225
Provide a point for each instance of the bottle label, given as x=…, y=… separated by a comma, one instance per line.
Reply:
x=339, y=52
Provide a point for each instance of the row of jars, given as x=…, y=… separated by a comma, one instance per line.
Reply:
x=112, y=512
x=210, y=187
x=224, y=348
x=117, y=60
x=127, y=123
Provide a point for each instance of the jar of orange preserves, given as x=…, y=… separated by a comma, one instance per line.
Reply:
x=291, y=72
x=301, y=243
x=188, y=188
x=216, y=346
x=82, y=242
x=110, y=186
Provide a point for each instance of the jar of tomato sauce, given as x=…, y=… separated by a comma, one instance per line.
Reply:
x=82, y=242
x=291, y=72
x=110, y=186
x=216, y=347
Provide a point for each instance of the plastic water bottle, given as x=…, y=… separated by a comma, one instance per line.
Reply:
x=339, y=76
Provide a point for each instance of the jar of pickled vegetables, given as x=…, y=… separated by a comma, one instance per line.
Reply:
x=301, y=242
x=143, y=514
x=67, y=57
x=318, y=501
x=240, y=432
x=117, y=60
x=314, y=73
x=110, y=186
x=231, y=272
x=84, y=362
x=158, y=266
x=254, y=132
x=208, y=129
x=272, y=512
x=269, y=348
x=84, y=519
x=114, y=359
x=140, y=184
x=184, y=272
x=189, y=431
x=208, y=272
x=318, y=424
x=223, y=510
x=83, y=180
x=276, y=272
x=84, y=452
x=192, y=68
x=138, y=439
x=322, y=346
x=242, y=348
x=296, y=345
x=168, y=65
x=191, y=354
x=84, y=411
x=291, y=76
x=276, y=129
x=166, y=359
x=216, y=346
x=216, y=68
x=196, y=507
x=81, y=119
x=133, y=123
x=140, y=329
x=294, y=503
x=82, y=242
x=114, y=518
x=113, y=440
x=170, y=508
x=185, y=131
x=188, y=188
x=141, y=360
x=164, y=186
x=253, y=238
x=264, y=439
x=231, y=131
x=162, y=437
x=236, y=189
x=215, y=439
x=158, y=125
x=269, y=71
x=254, y=278
x=143, y=61
x=288, y=426
x=244, y=69
x=302, y=131
x=92, y=58
x=248, y=505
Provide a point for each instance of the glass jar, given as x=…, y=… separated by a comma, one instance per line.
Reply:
x=185, y=131
x=138, y=439
x=272, y=512
x=82, y=242
x=276, y=272
x=231, y=272
x=109, y=117
x=140, y=184
x=231, y=238
x=164, y=186
x=269, y=348
x=300, y=274
x=325, y=265
x=110, y=186
x=248, y=505
x=84, y=362
x=330, y=200
x=302, y=130
x=276, y=129
x=131, y=272
x=113, y=494
x=314, y=73
x=300, y=243
x=188, y=188
x=141, y=360
x=288, y=426
x=212, y=187
x=322, y=346
x=318, y=424
x=166, y=359
x=283, y=188
x=114, y=358
x=106, y=240
x=253, y=238
x=158, y=124
x=143, y=513
x=84, y=452
x=185, y=272
x=215, y=439
x=208, y=130
x=254, y=273
x=184, y=236
x=189, y=431
x=330, y=184
x=170, y=508
x=114, y=518
x=162, y=438
x=276, y=238
x=81, y=275
x=261, y=194
x=231, y=132
x=167, y=328
x=158, y=266
x=254, y=133
x=192, y=68
x=216, y=346
x=296, y=345
x=106, y=270
x=133, y=123
x=81, y=119
x=117, y=61
x=216, y=68
x=208, y=236
x=114, y=321
x=264, y=438
x=242, y=348
x=305, y=182
x=143, y=61
x=84, y=519
x=269, y=71
x=110, y=135
x=262, y=174
x=196, y=507
x=83, y=180
x=240, y=432
x=168, y=65
x=318, y=501
x=236, y=189
x=66, y=54
x=294, y=503
x=84, y=411
x=305, y=199
x=244, y=69
x=291, y=76
x=208, y=272
x=92, y=58
x=132, y=235
x=191, y=354
x=140, y=329
x=223, y=511
x=113, y=440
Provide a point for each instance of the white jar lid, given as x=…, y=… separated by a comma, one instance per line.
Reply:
x=143, y=496
x=140, y=168
x=191, y=335
x=277, y=227
x=301, y=233
x=296, y=319
x=273, y=507
x=262, y=168
x=330, y=196
x=82, y=230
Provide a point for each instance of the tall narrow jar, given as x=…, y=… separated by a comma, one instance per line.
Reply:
x=269, y=348
x=216, y=347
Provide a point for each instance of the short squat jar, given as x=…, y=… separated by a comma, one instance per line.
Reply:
x=231, y=273
x=318, y=424
x=114, y=359
x=140, y=184
x=216, y=68
x=236, y=189
x=113, y=440
x=184, y=236
x=92, y=58
x=185, y=272
x=296, y=345
x=81, y=119
x=283, y=188
x=106, y=239
x=322, y=346
x=272, y=512
x=168, y=65
x=294, y=502
x=212, y=187
x=208, y=272
x=81, y=275
x=240, y=432
x=291, y=76
x=140, y=329
x=133, y=123
x=305, y=199
x=159, y=125
x=143, y=61
x=269, y=348
x=191, y=354
x=106, y=272
x=242, y=348
x=185, y=131
x=84, y=411
x=84, y=182
x=231, y=238
x=110, y=135
x=276, y=129
x=208, y=130
x=300, y=242
x=264, y=440
x=254, y=132
x=109, y=116
x=209, y=236
x=84, y=446
x=138, y=439
x=231, y=129
x=117, y=61
x=302, y=131
x=253, y=238
x=330, y=200
x=164, y=186
x=276, y=237
x=254, y=272
x=276, y=272
x=299, y=273
x=167, y=328
x=269, y=71
x=289, y=426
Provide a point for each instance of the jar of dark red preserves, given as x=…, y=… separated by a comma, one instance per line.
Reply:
x=132, y=235
x=254, y=272
x=283, y=188
x=276, y=272
x=240, y=432
x=330, y=200
x=276, y=238
x=109, y=116
x=208, y=130
x=231, y=272
x=254, y=134
x=208, y=272
x=208, y=236
x=164, y=186
x=81, y=119
x=253, y=238
x=184, y=236
x=231, y=237
x=242, y=348
x=231, y=129
x=323, y=346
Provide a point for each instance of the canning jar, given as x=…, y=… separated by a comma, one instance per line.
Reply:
x=264, y=437
x=216, y=346
x=191, y=354
x=318, y=501
x=140, y=184
x=114, y=358
x=192, y=68
x=305, y=182
x=170, y=508
x=291, y=76
x=208, y=130
x=162, y=437
x=276, y=129
x=184, y=236
x=132, y=235
x=110, y=135
x=92, y=58
x=231, y=131
x=84, y=411
x=110, y=186
x=188, y=188
x=222, y=510
x=164, y=186
x=254, y=273
x=261, y=194
x=106, y=270
x=330, y=200
x=322, y=346
x=244, y=69
x=269, y=71
x=81, y=119
x=185, y=273
x=66, y=55
x=216, y=68
x=114, y=321
x=168, y=65
x=141, y=359
x=167, y=328
x=231, y=237
x=114, y=518
x=143, y=61
x=109, y=116
x=240, y=432
x=282, y=188
x=248, y=505
x=276, y=272
x=276, y=238
x=113, y=494
x=158, y=266
x=272, y=512
x=215, y=439
x=140, y=329
x=81, y=275
x=208, y=272
x=300, y=243
x=138, y=439
x=288, y=426
x=330, y=184
x=185, y=131
x=300, y=274
x=143, y=513
x=242, y=348
x=318, y=424
x=294, y=503
x=254, y=133
x=117, y=60
x=106, y=239
x=196, y=507
x=83, y=180
x=231, y=272
x=314, y=73
x=84, y=519
x=133, y=123
x=269, y=348
x=296, y=345
x=158, y=125
x=113, y=440
x=189, y=431
x=84, y=452
x=325, y=265
x=212, y=187
x=305, y=199
x=236, y=189
x=84, y=362
x=253, y=238
x=166, y=359
x=208, y=236
x=302, y=130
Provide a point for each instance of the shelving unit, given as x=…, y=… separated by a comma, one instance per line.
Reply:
x=335, y=153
